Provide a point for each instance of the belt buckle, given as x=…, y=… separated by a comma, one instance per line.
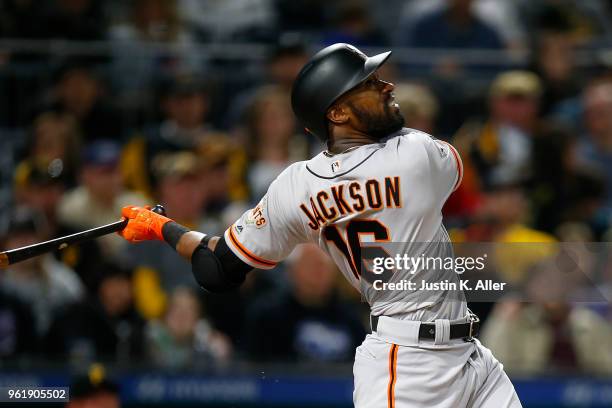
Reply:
x=473, y=319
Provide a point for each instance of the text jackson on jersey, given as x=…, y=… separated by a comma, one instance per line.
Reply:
x=347, y=198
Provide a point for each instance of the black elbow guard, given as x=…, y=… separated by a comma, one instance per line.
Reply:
x=218, y=271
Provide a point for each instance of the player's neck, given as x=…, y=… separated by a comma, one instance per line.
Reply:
x=340, y=144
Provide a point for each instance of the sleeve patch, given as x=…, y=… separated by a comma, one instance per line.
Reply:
x=258, y=216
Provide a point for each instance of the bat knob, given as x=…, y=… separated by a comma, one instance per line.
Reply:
x=159, y=209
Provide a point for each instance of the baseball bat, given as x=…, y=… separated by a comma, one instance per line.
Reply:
x=20, y=254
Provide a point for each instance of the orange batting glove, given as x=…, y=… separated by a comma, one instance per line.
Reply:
x=143, y=224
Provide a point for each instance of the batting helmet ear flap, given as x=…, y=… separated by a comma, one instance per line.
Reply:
x=332, y=72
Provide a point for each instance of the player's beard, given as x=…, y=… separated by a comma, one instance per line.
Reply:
x=378, y=126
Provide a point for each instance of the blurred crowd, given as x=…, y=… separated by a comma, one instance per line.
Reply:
x=138, y=112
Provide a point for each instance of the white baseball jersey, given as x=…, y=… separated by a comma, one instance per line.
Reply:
x=392, y=191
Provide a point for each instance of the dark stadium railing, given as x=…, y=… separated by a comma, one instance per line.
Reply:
x=254, y=51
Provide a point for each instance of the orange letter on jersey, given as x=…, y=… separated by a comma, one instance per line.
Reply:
x=329, y=213
x=313, y=221
x=392, y=192
x=354, y=188
x=338, y=193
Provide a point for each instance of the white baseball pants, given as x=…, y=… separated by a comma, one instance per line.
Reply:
x=394, y=369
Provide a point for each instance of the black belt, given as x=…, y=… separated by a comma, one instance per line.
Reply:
x=457, y=331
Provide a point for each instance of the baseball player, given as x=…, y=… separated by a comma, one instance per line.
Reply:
x=377, y=182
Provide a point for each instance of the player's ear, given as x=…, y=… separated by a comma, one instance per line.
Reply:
x=337, y=114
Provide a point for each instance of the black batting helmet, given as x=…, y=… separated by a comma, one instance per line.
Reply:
x=332, y=72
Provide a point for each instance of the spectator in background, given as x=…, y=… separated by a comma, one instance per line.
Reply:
x=562, y=187
x=548, y=334
x=153, y=20
x=554, y=62
x=285, y=61
x=501, y=15
x=595, y=145
x=184, y=338
x=36, y=188
x=55, y=144
x=224, y=168
x=185, y=105
x=498, y=150
x=78, y=91
x=352, y=25
x=93, y=392
x=310, y=321
x=97, y=201
x=230, y=20
x=585, y=22
x=42, y=282
x=283, y=64
x=272, y=143
x=182, y=186
x=18, y=337
x=136, y=66
x=453, y=26
x=39, y=187
x=103, y=327
x=418, y=105
x=503, y=217
x=213, y=162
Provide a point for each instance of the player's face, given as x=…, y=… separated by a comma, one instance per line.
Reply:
x=373, y=109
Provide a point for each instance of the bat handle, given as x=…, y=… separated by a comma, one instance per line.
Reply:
x=159, y=209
